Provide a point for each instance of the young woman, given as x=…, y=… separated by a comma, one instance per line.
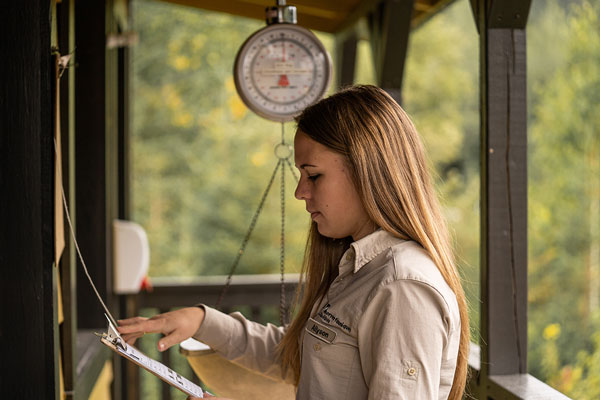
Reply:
x=383, y=314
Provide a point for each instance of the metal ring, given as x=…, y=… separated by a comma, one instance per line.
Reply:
x=283, y=151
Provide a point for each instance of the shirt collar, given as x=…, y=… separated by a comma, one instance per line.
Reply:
x=364, y=250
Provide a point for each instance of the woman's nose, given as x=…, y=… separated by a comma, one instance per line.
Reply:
x=302, y=191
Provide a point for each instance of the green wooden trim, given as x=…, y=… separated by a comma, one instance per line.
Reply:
x=68, y=273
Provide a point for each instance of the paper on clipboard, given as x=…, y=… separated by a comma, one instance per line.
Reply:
x=113, y=340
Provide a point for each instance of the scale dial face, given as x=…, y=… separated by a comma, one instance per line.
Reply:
x=280, y=70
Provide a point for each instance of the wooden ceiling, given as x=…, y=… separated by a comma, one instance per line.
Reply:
x=322, y=15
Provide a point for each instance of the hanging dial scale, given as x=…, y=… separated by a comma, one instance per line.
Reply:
x=282, y=68
x=279, y=71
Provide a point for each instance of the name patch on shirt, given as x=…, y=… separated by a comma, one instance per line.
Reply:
x=320, y=331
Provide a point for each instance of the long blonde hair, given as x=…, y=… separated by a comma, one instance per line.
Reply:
x=387, y=161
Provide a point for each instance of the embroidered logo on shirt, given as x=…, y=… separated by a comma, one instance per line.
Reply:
x=329, y=318
x=320, y=331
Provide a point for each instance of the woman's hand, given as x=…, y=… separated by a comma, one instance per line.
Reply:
x=177, y=326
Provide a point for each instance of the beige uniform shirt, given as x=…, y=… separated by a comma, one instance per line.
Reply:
x=388, y=328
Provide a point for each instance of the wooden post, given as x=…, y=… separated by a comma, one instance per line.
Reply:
x=96, y=157
x=389, y=26
x=346, y=58
x=501, y=28
x=28, y=284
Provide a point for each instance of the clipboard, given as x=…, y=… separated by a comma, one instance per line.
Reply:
x=113, y=340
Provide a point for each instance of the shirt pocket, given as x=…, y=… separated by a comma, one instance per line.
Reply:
x=332, y=355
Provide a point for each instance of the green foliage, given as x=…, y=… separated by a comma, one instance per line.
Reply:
x=564, y=194
x=200, y=160
x=582, y=381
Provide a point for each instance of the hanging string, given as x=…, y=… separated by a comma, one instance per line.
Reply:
x=68, y=215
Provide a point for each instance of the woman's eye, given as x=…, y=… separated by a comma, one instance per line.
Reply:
x=314, y=177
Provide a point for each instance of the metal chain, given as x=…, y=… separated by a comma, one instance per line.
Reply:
x=283, y=317
x=283, y=311
x=247, y=237
x=287, y=160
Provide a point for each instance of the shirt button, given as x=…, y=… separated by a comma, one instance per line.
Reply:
x=348, y=257
x=317, y=347
x=411, y=371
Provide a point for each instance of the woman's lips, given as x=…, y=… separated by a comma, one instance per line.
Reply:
x=314, y=214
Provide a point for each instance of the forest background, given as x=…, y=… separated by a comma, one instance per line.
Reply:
x=201, y=160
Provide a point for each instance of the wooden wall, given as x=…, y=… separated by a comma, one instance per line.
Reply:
x=27, y=286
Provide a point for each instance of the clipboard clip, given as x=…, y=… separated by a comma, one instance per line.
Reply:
x=113, y=336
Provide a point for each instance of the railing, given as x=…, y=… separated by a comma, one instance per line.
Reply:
x=248, y=290
x=257, y=295
x=261, y=292
x=510, y=387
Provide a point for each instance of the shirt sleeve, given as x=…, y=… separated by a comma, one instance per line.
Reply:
x=402, y=335
x=244, y=342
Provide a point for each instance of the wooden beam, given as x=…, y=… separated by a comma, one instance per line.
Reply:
x=253, y=290
x=124, y=122
x=423, y=12
x=320, y=19
x=504, y=201
x=362, y=10
x=346, y=59
x=389, y=25
x=511, y=14
x=326, y=16
x=96, y=157
x=126, y=374
x=27, y=287
x=90, y=160
x=508, y=14
x=503, y=196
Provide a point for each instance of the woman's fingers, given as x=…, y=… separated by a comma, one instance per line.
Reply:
x=175, y=325
x=144, y=325
x=134, y=328
x=130, y=338
x=131, y=321
x=171, y=339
